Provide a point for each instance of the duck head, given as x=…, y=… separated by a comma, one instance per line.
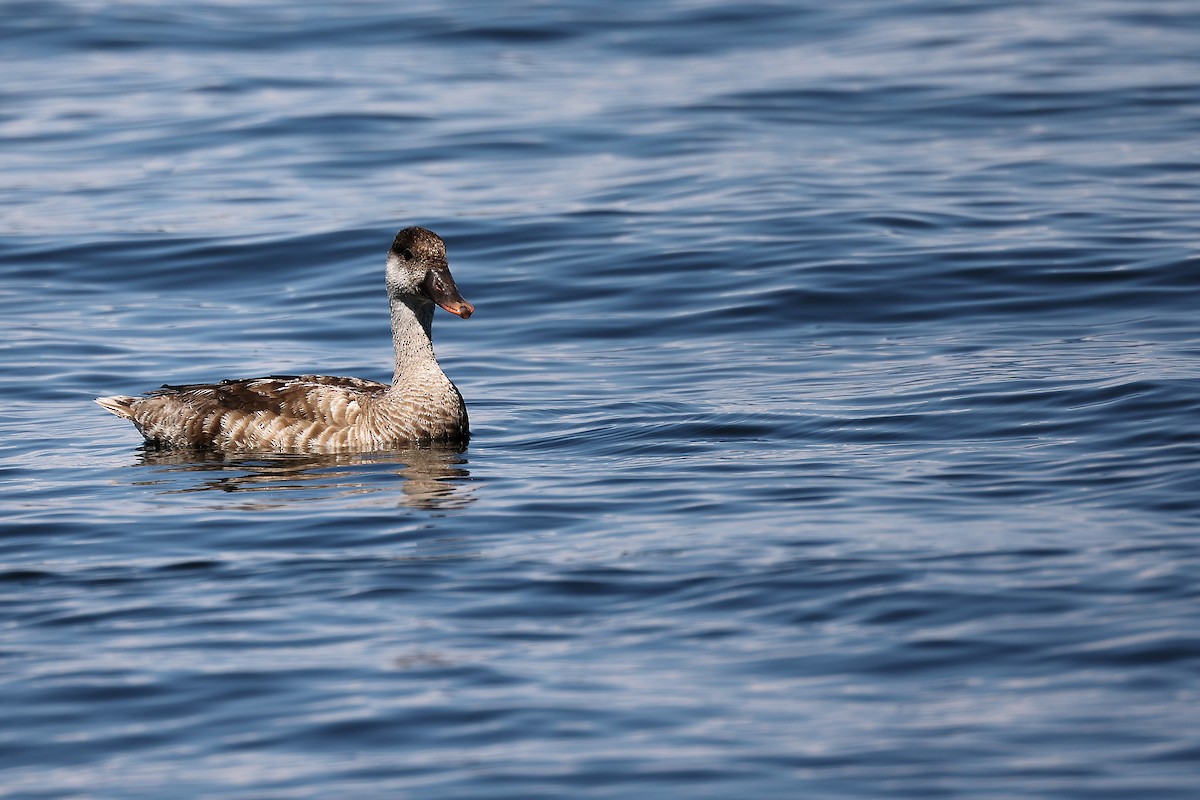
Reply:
x=417, y=266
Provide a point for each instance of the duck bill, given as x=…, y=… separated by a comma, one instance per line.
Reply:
x=439, y=287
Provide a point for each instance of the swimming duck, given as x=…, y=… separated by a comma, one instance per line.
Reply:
x=318, y=414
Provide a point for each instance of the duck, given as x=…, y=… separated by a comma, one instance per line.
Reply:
x=322, y=414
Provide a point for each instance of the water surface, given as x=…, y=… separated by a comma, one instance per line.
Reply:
x=834, y=388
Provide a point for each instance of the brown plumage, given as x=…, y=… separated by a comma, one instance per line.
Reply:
x=316, y=413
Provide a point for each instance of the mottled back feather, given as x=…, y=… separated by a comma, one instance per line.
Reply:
x=299, y=397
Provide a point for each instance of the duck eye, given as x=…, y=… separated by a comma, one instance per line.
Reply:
x=408, y=254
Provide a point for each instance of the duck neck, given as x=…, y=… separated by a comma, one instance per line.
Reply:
x=412, y=320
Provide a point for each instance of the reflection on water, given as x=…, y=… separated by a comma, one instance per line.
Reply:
x=432, y=477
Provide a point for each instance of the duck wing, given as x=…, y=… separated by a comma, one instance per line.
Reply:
x=278, y=412
x=315, y=398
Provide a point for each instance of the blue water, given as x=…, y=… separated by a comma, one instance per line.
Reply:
x=834, y=383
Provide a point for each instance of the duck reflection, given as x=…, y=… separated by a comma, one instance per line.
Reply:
x=433, y=477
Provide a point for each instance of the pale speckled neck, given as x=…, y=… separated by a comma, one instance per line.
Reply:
x=412, y=322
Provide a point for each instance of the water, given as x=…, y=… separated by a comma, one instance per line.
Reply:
x=835, y=390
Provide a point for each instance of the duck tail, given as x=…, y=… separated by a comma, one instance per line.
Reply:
x=117, y=404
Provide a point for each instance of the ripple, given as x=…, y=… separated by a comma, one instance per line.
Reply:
x=833, y=393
